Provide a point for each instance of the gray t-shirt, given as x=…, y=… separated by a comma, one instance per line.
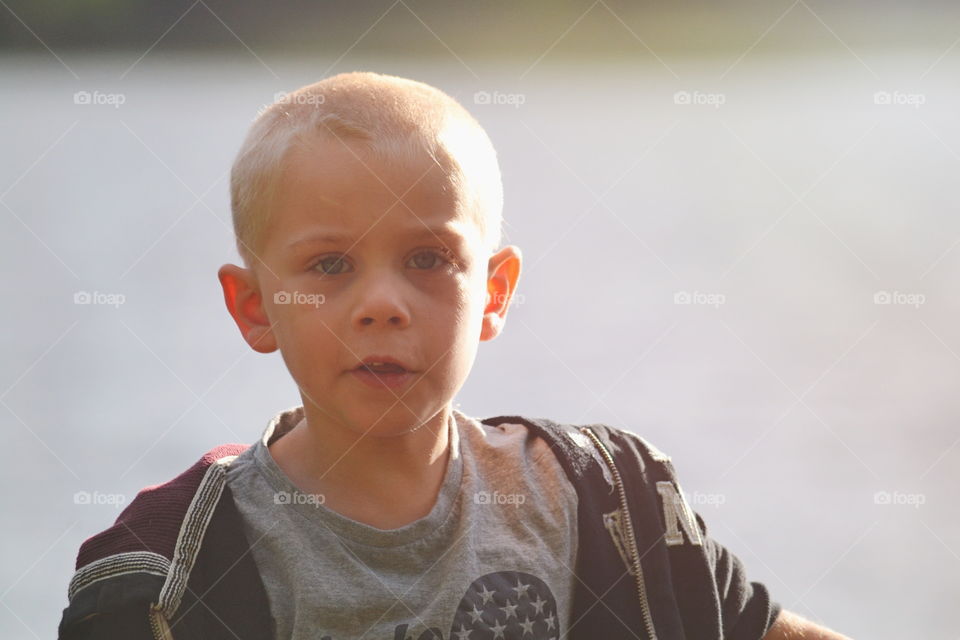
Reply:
x=494, y=558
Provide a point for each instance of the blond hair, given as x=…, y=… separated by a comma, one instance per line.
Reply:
x=394, y=118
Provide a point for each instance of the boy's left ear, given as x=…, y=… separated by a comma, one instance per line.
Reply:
x=242, y=295
x=503, y=273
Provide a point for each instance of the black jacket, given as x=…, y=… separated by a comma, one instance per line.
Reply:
x=177, y=563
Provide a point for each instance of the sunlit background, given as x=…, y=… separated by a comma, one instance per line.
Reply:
x=739, y=225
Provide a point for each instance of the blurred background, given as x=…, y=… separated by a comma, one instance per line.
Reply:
x=739, y=223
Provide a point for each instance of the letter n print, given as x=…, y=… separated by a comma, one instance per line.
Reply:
x=677, y=515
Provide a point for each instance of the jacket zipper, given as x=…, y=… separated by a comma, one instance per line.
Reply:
x=631, y=539
x=159, y=625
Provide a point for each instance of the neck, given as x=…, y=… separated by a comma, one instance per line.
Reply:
x=362, y=476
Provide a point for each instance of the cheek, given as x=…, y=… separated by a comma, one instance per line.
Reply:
x=301, y=322
x=444, y=316
x=471, y=300
x=462, y=337
x=467, y=298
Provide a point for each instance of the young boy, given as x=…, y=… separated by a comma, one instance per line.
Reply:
x=367, y=210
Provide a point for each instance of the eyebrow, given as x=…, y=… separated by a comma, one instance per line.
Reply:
x=445, y=233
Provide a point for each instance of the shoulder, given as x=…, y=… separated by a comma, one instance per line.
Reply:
x=144, y=535
x=512, y=454
x=506, y=440
x=578, y=440
x=591, y=454
x=133, y=571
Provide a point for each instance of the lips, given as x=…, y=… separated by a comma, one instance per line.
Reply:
x=382, y=364
x=383, y=372
x=383, y=367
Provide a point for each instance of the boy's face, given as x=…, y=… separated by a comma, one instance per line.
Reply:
x=368, y=258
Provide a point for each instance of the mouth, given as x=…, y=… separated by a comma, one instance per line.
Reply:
x=382, y=365
x=382, y=371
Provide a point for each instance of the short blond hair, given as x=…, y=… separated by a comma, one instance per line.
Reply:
x=392, y=117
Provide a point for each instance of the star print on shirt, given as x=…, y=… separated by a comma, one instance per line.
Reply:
x=506, y=605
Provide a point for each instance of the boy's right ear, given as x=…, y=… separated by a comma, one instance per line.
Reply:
x=244, y=301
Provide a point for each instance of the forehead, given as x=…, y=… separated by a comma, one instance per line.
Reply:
x=337, y=189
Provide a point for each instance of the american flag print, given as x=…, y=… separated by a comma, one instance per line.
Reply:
x=506, y=605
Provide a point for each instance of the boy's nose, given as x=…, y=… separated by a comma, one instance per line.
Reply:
x=394, y=320
x=382, y=304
